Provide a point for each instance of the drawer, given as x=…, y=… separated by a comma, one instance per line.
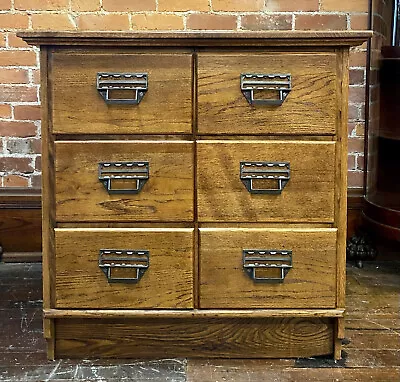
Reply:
x=309, y=107
x=296, y=268
x=124, y=181
x=151, y=268
x=79, y=107
x=259, y=181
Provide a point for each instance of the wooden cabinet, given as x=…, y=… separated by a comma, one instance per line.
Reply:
x=194, y=189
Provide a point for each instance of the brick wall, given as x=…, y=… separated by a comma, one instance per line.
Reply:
x=20, y=163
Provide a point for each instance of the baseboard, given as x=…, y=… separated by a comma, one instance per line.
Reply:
x=20, y=224
x=21, y=231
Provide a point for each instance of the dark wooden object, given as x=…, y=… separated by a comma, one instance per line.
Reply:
x=382, y=202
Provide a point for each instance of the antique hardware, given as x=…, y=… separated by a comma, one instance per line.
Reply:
x=128, y=266
x=267, y=265
x=124, y=173
x=267, y=84
x=264, y=172
x=108, y=83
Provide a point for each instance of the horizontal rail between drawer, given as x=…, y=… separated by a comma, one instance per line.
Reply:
x=260, y=313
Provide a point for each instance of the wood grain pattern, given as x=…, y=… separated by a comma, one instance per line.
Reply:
x=167, y=283
x=311, y=283
x=308, y=196
x=309, y=109
x=200, y=38
x=243, y=338
x=196, y=313
x=341, y=177
x=79, y=108
x=166, y=196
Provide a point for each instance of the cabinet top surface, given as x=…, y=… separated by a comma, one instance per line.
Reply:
x=201, y=38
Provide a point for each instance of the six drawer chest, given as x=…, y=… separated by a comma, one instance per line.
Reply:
x=194, y=193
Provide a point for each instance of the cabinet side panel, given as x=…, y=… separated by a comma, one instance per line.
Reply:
x=47, y=190
x=341, y=173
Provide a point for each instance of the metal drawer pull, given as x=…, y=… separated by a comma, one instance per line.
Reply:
x=124, y=172
x=124, y=266
x=122, y=82
x=280, y=83
x=261, y=172
x=267, y=265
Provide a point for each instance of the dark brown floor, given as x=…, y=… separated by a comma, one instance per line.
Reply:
x=372, y=350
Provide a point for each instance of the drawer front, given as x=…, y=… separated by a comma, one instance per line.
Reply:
x=88, y=191
x=167, y=282
x=79, y=107
x=309, y=108
x=228, y=280
x=227, y=192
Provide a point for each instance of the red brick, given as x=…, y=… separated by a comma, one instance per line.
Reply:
x=17, y=58
x=36, y=76
x=360, y=162
x=359, y=22
x=238, y=5
x=5, y=111
x=13, y=21
x=320, y=22
x=36, y=181
x=15, y=181
x=344, y=5
x=5, y=5
x=351, y=162
x=356, y=77
x=356, y=145
x=157, y=22
x=357, y=58
x=211, y=22
x=8, y=164
x=183, y=5
x=2, y=40
x=267, y=22
x=129, y=6
x=356, y=94
x=291, y=5
x=13, y=76
x=356, y=129
x=16, y=42
x=103, y=22
x=51, y=21
x=17, y=129
x=354, y=112
x=355, y=179
x=27, y=112
x=38, y=163
x=85, y=5
x=18, y=94
x=41, y=5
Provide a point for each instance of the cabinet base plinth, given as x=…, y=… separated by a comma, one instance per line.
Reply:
x=195, y=337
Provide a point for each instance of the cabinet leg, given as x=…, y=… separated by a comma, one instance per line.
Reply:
x=48, y=332
x=339, y=336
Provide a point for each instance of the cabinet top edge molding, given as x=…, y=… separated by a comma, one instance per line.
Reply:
x=201, y=38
